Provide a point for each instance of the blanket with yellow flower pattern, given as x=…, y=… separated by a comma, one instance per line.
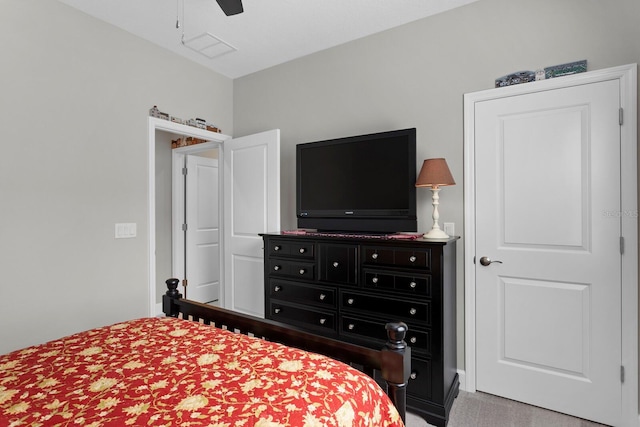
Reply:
x=173, y=372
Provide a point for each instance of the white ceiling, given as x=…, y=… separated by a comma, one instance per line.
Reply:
x=269, y=32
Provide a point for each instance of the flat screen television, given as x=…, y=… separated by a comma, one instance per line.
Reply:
x=362, y=184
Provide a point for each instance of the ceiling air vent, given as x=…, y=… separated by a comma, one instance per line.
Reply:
x=209, y=45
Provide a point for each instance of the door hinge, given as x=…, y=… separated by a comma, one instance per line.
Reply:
x=622, y=374
x=184, y=170
x=184, y=227
x=621, y=245
x=621, y=115
x=474, y=259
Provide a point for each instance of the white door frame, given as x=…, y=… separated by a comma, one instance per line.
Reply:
x=629, y=186
x=155, y=124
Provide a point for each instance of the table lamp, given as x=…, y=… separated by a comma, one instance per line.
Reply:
x=435, y=174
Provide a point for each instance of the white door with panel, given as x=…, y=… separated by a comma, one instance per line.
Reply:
x=251, y=207
x=202, y=236
x=548, y=258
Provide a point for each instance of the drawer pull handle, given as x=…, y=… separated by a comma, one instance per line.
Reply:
x=374, y=280
x=413, y=311
x=302, y=271
x=412, y=258
x=276, y=267
x=277, y=310
x=351, y=326
x=413, y=375
x=277, y=289
x=350, y=301
x=277, y=248
x=335, y=264
x=413, y=340
x=374, y=255
x=323, y=321
x=322, y=297
x=302, y=250
x=413, y=285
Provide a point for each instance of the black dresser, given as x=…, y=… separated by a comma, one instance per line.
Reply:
x=348, y=287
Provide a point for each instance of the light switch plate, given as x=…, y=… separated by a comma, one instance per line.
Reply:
x=450, y=228
x=126, y=230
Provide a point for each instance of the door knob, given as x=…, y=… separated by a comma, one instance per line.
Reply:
x=487, y=261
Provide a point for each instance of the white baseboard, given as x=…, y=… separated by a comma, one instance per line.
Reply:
x=462, y=376
x=158, y=312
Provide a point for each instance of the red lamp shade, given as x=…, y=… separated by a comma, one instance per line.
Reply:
x=434, y=173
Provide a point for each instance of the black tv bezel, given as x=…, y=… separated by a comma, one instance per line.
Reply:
x=364, y=220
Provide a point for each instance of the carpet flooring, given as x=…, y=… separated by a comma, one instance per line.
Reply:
x=485, y=410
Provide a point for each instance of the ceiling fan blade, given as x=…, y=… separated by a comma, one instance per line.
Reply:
x=231, y=7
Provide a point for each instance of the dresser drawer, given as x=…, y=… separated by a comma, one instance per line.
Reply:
x=292, y=268
x=418, y=340
x=405, y=283
x=413, y=258
x=320, y=296
x=397, y=257
x=420, y=381
x=304, y=317
x=291, y=248
x=394, y=309
x=377, y=256
x=338, y=263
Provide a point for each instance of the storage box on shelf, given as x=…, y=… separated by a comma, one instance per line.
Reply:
x=348, y=287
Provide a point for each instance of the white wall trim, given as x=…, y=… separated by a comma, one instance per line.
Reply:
x=627, y=75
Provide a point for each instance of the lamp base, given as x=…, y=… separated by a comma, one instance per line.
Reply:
x=435, y=234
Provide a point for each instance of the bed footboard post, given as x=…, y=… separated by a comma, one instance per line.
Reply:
x=168, y=299
x=396, y=366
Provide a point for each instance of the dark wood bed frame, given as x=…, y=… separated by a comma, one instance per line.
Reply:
x=393, y=361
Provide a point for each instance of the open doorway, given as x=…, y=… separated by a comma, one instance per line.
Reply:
x=247, y=210
x=166, y=245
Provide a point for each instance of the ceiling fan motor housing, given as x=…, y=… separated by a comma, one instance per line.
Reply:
x=231, y=7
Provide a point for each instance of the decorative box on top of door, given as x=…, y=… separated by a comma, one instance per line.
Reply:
x=348, y=287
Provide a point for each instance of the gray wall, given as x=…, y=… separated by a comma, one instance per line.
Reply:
x=75, y=95
x=416, y=75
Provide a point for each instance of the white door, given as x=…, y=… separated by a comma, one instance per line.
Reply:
x=202, y=236
x=548, y=309
x=251, y=206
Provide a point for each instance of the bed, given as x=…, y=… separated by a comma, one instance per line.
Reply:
x=203, y=366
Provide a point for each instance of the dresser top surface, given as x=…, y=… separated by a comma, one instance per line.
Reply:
x=361, y=238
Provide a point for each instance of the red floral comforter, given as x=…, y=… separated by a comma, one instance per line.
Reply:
x=172, y=372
